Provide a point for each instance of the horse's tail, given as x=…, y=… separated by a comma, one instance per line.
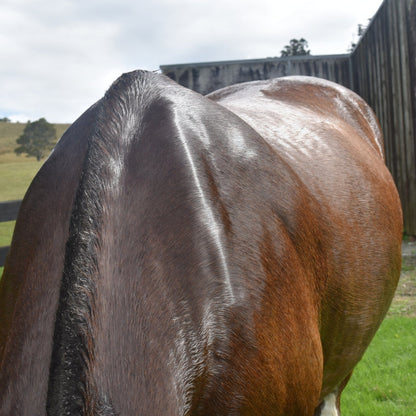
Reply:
x=119, y=118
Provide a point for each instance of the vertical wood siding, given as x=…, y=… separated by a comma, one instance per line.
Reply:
x=384, y=75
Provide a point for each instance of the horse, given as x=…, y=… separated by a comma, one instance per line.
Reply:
x=180, y=254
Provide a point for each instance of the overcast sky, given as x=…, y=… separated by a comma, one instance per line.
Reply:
x=59, y=56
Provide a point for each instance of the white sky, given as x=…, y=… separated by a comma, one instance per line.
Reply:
x=60, y=56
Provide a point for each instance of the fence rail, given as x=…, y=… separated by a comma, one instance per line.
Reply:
x=8, y=212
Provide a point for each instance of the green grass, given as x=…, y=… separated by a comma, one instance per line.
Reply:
x=6, y=231
x=15, y=178
x=9, y=133
x=383, y=383
x=16, y=171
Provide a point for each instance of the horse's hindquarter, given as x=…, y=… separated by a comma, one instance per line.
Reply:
x=330, y=138
x=196, y=264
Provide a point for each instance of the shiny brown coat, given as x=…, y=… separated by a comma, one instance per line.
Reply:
x=184, y=255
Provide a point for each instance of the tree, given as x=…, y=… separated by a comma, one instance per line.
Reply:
x=296, y=47
x=360, y=32
x=37, y=140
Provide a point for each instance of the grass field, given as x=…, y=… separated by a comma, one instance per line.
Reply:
x=15, y=178
x=16, y=171
x=382, y=383
x=9, y=133
x=6, y=232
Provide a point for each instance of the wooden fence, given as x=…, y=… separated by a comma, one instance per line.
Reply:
x=209, y=76
x=384, y=74
x=8, y=212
